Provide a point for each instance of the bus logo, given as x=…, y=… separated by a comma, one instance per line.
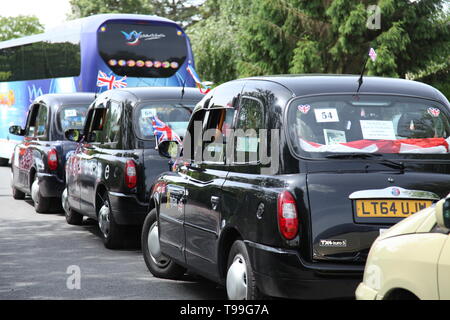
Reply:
x=133, y=38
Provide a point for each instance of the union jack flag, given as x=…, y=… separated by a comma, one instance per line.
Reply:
x=103, y=80
x=163, y=132
x=200, y=85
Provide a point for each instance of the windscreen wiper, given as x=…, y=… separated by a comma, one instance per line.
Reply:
x=376, y=156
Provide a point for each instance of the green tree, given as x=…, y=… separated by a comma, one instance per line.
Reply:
x=16, y=27
x=20, y=26
x=181, y=11
x=184, y=12
x=214, y=40
x=320, y=36
x=412, y=35
x=85, y=8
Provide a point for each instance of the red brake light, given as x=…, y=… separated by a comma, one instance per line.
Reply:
x=52, y=159
x=130, y=174
x=287, y=215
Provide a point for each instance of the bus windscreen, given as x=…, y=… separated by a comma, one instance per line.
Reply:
x=148, y=50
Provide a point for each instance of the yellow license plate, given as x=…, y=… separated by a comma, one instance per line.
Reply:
x=379, y=208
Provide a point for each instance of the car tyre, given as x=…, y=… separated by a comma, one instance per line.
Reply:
x=72, y=217
x=4, y=162
x=240, y=280
x=158, y=264
x=112, y=233
x=17, y=194
x=41, y=204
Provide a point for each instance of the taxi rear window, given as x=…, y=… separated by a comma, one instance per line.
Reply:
x=163, y=119
x=72, y=117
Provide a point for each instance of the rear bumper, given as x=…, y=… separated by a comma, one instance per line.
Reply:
x=50, y=185
x=282, y=273
x=127, y=209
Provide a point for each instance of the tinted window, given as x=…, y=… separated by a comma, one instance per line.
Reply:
x=72, y=117
x=217, y=130
x=146, y=49
x=250, y=120
x=97, y=125
x=175, y=116
x=370, y=124
x=38, y=121
x=41, y=60
x=112, y=125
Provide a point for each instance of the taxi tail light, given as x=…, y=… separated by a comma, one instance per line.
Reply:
x=287, y=215
x=52, y=159
x=130, y=174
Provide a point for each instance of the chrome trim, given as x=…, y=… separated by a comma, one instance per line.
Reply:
x=391, y=193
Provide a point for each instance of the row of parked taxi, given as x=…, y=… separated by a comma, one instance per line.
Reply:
x=271, y=186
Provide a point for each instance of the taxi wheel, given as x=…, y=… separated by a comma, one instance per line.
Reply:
x=72, y=217
x=240, y=281
x=17, y=194
x=113, y=236
x=158, y=264
x=41, y=204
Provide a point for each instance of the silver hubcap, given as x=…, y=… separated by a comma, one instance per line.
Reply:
x=154, y=249
x=64, y=201
x=35, y=190
x=237, y=279
x=103, y=219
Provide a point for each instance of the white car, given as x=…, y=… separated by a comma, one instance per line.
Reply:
x=412, y=259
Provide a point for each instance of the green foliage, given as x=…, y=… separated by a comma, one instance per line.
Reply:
x=180, y=11
x=213, y=40
x=85, y=8
x=320, y=36
x=20, y=26
x=437, y=75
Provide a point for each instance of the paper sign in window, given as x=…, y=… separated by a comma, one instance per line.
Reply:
x=147, y=113
x=326, y=115
x=377, y=130
x=334, y=136
x=247, y=144
x=70, y=113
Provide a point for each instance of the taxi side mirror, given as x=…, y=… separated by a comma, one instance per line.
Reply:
x=168, y=149
x=443, y=213
x=73, y=135
x=17, y=130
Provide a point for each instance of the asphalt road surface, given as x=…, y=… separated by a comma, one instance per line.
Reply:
x=42, y=257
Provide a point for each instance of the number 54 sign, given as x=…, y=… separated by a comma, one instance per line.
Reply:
x=326, y=115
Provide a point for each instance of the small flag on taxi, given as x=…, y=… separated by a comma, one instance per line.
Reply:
x=372, y=54
x=200, y=85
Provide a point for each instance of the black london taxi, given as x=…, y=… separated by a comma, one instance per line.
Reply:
x=285, y=182
x=37, y=164
x=110, y=173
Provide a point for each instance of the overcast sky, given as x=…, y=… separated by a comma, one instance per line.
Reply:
x=50, y=12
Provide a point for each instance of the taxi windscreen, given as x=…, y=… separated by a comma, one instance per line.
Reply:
x=166, y=120
x=368, y=124
x=72, y=117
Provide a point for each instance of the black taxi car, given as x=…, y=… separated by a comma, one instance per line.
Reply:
x=37, y=165
x=291, y=207
x=110, y=174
